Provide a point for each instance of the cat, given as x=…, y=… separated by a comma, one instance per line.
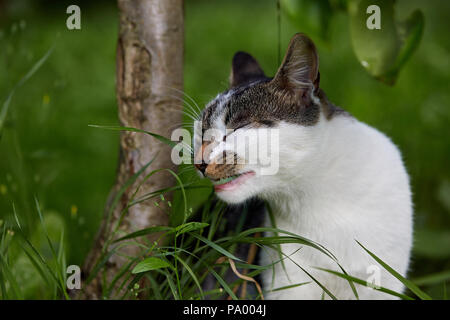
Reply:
x=339, y=180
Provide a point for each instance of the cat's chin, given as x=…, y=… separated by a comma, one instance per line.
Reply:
x=233, y=197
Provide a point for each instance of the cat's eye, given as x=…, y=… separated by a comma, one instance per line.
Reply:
x=234, y=130
x=242, y=126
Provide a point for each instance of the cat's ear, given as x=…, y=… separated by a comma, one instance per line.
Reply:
x=244, y=69
x=299, y=71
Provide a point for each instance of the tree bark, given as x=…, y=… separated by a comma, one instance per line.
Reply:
x=149, y=64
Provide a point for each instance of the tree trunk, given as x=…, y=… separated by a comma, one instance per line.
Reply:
x=149, y=65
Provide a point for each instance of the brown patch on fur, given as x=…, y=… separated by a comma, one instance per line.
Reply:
x=224, y=167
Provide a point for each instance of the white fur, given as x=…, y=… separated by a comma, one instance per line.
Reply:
x=339, y=181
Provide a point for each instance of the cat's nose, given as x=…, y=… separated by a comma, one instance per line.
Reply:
x=201, y=167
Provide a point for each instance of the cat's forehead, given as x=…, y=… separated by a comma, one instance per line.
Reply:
x=257, y=105
x=237, y=106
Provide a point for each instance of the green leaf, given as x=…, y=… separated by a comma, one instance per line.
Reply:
x=383, y=52
x=310, y=16
x=410, y=33
x=149, y=264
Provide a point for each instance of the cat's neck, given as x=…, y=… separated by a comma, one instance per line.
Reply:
x=329, y=179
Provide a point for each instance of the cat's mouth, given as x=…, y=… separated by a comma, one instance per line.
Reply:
x=232, y=182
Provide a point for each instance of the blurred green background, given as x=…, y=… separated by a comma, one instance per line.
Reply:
x=48, y=150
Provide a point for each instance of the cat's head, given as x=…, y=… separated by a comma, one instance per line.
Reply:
x=286, y=107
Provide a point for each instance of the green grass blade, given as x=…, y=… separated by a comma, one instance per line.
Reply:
x=364, y=283
x=144, y=232
x=409, y=284
x=332, y=296
x=28, y=75
x=118, y=128
x=194, y=277
x=37, y=266
x=59, y=272
x=223, y=283
x=3, y=287
x=215, y=246
x=274, y=225
x=41, y=259
x=154, y=286
x=433, y=278
x=172, y=286
x=6, y=271
x=290, y=286
x=122, y=190
x=298, y=239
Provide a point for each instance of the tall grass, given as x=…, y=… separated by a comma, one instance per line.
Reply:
x=175, y=266
x=51, y=270
x=185, y=254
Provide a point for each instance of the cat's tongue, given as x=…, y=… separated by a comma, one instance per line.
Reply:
x=232, y=183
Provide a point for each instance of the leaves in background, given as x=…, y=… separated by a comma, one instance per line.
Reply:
x=383, y=52
x=311, y=17
x=150, y=263
x=432, y=243
x=28, y=75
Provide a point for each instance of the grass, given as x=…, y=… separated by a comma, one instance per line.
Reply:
x=174, y=266
x=52, y=271
x=48, y=150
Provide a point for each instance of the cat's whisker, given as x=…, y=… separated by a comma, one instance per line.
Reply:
x=186, y=110
x=186, y=103
x=183, y=125
x=192, y=113
x=186, y=114
x=188, y=96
